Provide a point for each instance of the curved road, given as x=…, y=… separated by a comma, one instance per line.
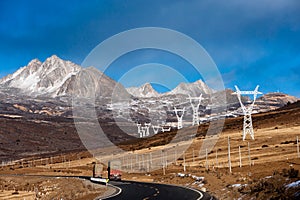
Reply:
x=131, y=190
x=151, y=191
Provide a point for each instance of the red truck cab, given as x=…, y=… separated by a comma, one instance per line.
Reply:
x=115, y=175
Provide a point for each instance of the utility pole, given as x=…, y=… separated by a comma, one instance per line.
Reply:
x=108, y=170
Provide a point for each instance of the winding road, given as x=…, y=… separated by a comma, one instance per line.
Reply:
x=150, y=191
x=130, y=190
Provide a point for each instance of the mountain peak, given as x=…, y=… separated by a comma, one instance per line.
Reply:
x=34, y=62
x=42, y=78
x=147, y=86
x=145, y=90
x=199, y=82
x=54, y=57
x=193, y=89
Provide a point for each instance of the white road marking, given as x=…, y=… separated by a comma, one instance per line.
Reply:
x=114, y=195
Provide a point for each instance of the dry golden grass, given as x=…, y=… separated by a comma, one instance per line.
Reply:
x=273, y=149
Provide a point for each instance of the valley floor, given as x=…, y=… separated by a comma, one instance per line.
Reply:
x=266, y=166
x=272, y=153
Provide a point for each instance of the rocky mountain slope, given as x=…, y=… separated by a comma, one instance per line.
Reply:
x=193, y=89
x=48, y=78
x=56, y=77
x=272, y=101
x=144, y=91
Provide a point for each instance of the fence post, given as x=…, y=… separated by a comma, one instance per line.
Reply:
x=240, y=156
x=217, y=163
x=206, y=159
x=249, y=155
x=229, y=158
x=298, y=153
x=184, y=168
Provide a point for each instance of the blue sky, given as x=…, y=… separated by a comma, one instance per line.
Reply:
x=252, y=42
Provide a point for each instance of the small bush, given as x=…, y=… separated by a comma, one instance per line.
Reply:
x=290, y=173
x=293, y=173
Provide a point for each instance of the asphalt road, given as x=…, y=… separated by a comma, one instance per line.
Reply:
x=131, y=190
x=151, y=191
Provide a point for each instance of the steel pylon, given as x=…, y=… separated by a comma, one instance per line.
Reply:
x=247, y=111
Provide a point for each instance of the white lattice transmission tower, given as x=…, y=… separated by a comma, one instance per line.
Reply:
x=155, y=128
x=165, y=128
x=195, y=102
x=139, y=129
x=179, y=114
x=247, y=110
x=143, y=131
x=147, y=127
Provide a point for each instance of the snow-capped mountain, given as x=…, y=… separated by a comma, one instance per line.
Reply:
x=57, y=77
x=144, y=91
x=192, y=89
x=42, y=78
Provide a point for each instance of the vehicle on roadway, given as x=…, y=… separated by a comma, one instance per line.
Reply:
x=115, y=175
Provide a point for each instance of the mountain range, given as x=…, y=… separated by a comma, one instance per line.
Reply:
x=56, y=77
x=193, y=89
x=60, y=79
x=38, y=117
